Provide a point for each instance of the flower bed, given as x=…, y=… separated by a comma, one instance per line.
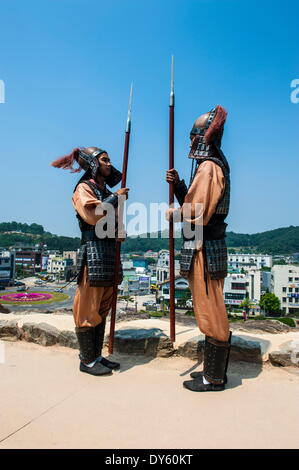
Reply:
x=26, y=297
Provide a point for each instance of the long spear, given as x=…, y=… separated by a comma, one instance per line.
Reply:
x=171, y=201
x=118, y=244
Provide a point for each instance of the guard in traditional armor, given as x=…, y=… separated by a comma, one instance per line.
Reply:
x=96, y=260
x=205, y=263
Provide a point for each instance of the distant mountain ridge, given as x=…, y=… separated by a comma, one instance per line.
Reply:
x=284, y=240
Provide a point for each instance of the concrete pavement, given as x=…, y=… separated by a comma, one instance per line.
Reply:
x=45, y=402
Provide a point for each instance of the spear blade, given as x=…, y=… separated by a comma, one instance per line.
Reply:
x=171, y=101
x=128, y=127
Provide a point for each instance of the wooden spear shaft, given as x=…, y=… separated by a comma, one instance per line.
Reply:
x=118, y=244
x=171, y=201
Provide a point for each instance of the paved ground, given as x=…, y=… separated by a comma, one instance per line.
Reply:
x=45, y=402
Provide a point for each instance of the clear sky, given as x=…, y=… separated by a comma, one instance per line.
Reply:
x=67, y=66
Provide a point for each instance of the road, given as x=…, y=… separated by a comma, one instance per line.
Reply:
x=70, y=290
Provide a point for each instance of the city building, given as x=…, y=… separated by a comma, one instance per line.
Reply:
x=7, y=268
x=151, y=254
x=235, y=289
x=58, y=264
x=248, y=261
x=152, y=271
x=136, y=280
x=162, y=272
x=181, y=289
x=139, y=262
x=73, y=255
x=254, y=283
x=285, y=285
x=45, y=259
x=238, y=286
x=28, y=261
x=295, y=258
x=266, y=281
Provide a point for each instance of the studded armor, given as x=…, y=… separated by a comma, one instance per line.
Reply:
x=97, y=253
x=214, y=233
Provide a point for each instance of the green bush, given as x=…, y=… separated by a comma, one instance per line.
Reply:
x=294, y=315
x=233, y=317
x=238, y=319
x=155, y=314
x=190, y=313
x=287, y=321
x=260, y=317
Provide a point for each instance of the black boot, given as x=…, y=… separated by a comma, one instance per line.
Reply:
x=86, y=340
x=99, y=340
x=198, y=375
x=215, y=366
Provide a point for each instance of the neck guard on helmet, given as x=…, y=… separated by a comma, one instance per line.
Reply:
x=208, y=136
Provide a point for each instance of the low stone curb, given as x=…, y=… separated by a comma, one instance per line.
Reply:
x=288, y=355
x=9, y=328
x=39, y=333
x=241, y=350
x=149, y=342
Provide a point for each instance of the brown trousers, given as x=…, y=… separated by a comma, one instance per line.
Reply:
x=210, y=311
x=91, y=304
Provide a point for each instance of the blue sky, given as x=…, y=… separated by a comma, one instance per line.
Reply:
x=67, y=67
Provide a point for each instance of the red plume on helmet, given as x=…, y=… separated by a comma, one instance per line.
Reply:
x=217, y=124
x=67, y=161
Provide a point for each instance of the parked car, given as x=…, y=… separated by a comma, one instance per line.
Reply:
x=19, y=283
x=149, y=302
x=189, y=303
x=58, y=290
x=21, y=289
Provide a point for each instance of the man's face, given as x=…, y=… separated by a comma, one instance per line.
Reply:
x=105, y=165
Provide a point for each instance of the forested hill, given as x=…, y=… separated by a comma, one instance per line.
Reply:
x=283, y=240
x=12, y=233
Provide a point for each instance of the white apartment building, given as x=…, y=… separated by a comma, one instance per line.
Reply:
x=235, y=289
x=254, y=283
x=237, y=285
x=163, y=266
x=57, y=264
x=285, y=285
x=248, y=261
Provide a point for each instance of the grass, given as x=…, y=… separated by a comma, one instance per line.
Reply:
x=56, y=297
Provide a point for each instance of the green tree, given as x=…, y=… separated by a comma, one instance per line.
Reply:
x=270, y=303
x=127, y=299
x=181, y=302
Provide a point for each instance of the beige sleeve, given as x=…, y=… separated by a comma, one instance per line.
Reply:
x=85, y=202
x=207, y=188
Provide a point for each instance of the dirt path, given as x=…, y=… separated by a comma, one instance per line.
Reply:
x=45, y=402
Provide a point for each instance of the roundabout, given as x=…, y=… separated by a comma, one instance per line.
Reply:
x=37, y=298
